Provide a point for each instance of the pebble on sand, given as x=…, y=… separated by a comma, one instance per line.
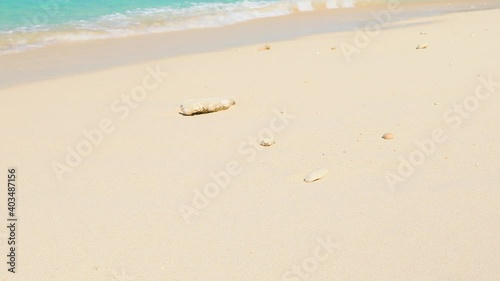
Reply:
x=316, y=175
x=192, y=107
x=388, y=136
x=265, y=48
x=267, y=142
x=422, y=46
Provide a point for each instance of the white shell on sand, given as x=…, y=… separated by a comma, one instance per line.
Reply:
x=192, y=107
x=316, y=175
x=422, y=46
x=267, y=142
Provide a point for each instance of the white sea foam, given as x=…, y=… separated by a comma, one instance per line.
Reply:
x=156, y=20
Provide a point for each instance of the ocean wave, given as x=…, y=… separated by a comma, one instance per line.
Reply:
x=156, y=20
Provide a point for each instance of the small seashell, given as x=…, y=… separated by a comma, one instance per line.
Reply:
x=267, y=142
x=333, y=48
x=422, y=46
x=388, y=136
x=316, y=175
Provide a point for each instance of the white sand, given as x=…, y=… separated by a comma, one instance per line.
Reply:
x=118, y=211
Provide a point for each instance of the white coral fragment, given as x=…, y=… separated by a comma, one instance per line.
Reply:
x=200, y=106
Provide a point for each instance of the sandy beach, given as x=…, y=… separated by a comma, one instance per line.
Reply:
x=113, y=183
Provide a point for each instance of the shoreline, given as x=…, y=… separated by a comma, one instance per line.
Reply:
x=87, y=56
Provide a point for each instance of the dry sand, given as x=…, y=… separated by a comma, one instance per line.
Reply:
x=117, y=215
